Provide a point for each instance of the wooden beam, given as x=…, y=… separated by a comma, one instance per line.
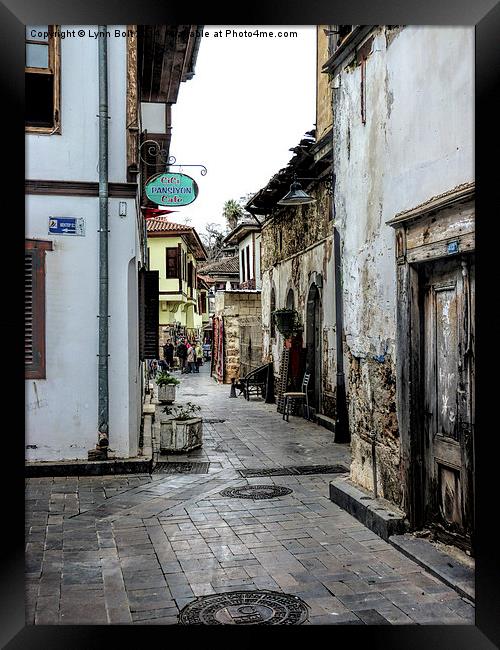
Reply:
x=132, y=107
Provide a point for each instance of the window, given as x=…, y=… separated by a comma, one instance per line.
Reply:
x=249, y=274
x=243, y=278
x=42, y=79
x=34, y=308
x=172, y=262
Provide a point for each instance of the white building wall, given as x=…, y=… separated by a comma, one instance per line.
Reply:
x=242, y=245
x=258, y=243
x=74, y=155
x=417, y=142
x=61, y=410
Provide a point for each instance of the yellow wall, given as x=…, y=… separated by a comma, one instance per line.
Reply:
x=179, y=307
x=324, y=112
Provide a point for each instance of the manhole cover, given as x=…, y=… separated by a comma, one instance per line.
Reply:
x=256, y=492
x=265, y=471
x=319, y=469
x=302, y=470
x=245, y=608
x=181, y=468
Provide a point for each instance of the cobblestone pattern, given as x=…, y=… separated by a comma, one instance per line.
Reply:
x=137, y=549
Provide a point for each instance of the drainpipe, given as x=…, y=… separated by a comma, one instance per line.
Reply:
x=342, y=418
x=103, y=405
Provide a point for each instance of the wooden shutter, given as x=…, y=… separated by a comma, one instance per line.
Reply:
x=34, y=308
x=29, y=264
x=148, y=314
x=172, y=262
x=190, y=278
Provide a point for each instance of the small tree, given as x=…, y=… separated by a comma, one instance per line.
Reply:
x=212, y=239
x=232, y=213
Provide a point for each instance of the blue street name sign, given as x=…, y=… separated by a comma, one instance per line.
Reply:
x=66, y=226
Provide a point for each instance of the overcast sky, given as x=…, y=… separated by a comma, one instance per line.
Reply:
x=249, y=102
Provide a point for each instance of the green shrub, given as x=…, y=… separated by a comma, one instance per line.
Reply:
x=166, y=379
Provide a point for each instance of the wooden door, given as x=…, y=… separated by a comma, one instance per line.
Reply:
x=313, y=341
x=448, y=360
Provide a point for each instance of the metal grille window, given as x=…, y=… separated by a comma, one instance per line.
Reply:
x=34, y=308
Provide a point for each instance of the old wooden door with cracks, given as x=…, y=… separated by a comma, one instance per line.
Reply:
x=447, y=331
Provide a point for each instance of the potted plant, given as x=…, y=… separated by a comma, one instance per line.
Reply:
x=286, y=321
x=166, y=387
x=182, y=429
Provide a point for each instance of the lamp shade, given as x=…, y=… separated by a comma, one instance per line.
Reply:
x=296, y=196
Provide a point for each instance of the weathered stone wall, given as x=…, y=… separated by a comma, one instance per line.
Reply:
x=297, y=251
x=324, y=91
x=371, y=387
x=416, y=142
x=232, y=305
x=295, y=228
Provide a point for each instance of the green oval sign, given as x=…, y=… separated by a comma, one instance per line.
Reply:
x=171, y=189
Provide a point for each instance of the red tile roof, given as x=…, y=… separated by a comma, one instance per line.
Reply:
x=224, y=265
x=160, y=224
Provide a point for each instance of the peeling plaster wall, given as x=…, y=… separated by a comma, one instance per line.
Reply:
x=416, y=143
x=306, y=252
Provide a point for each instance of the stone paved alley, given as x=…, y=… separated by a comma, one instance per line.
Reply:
x=139, y=548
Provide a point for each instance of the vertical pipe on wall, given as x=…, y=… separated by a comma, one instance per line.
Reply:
x=103, y=383
x=341, y=416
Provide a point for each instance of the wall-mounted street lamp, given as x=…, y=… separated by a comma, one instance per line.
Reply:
x=296, y=195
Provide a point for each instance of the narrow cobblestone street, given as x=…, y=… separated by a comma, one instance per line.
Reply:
x=139, y=548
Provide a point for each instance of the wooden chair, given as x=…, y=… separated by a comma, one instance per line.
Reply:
x=255, y=382
x=302, y=396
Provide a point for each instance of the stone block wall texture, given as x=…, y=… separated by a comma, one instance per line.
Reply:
x=232, y=305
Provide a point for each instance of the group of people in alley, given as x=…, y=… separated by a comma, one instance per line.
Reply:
x=189, y=357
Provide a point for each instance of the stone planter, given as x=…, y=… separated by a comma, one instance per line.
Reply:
x=166, y=393
x=180, y=435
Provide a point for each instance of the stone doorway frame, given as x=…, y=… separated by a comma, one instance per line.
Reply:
x=315, y=287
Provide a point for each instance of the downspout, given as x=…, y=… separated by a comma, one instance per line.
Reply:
x=341, y=418
x=103, y=386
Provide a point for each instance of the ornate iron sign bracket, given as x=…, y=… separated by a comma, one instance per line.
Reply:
x=153, y=149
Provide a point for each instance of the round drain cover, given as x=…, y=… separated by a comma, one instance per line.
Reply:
x=256, y=491
x=245, y=608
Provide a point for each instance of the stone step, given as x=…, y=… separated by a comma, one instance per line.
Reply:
x=376, y=514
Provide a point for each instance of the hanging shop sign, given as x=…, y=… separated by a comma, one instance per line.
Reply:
x=171, y=189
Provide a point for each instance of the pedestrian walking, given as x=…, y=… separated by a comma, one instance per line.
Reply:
x=182, y=354
x=168, y=353
x=153, y=368
x=191, y=359
x=199, y=355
